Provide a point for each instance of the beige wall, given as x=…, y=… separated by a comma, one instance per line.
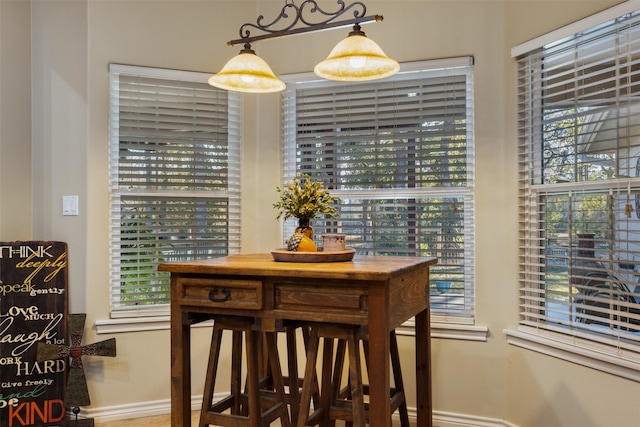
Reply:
x=15, y=121
x=73, y=43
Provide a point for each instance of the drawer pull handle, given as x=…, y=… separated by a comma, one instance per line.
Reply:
x=219, y=295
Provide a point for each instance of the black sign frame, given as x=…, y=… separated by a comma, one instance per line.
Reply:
x=33, y=308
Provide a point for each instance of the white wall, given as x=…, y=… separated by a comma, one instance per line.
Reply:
x=75, y=40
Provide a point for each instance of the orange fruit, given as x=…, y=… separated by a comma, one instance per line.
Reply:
x=306, y=245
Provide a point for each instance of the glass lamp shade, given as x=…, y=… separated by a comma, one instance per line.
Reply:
x=356, y=58
x=247, y=72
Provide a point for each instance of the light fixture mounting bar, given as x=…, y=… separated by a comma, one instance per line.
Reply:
x=311, y=8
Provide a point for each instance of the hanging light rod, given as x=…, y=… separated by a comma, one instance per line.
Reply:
x=356, y=58
x=327, y=24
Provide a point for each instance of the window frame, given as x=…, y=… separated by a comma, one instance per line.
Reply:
x=446, y=324
x=578, y=344
x=195, y=193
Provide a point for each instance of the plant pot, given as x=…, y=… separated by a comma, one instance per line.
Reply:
x=443, y=286
x=304, y=227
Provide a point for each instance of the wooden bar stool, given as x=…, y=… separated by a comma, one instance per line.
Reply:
x=346, y=403
x=243, y=409
x=293, y=382
x=340, y=409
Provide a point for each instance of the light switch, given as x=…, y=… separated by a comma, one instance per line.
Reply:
x=69, y=205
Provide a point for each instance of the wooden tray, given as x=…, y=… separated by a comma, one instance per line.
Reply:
x=284, y=255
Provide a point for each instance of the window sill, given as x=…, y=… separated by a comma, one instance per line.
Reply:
x=157, y=323
x=455, y=331
x=565, y=348
x=137, y=324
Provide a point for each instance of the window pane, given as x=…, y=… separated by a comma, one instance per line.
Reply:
x=161, y=229
x=589, y=276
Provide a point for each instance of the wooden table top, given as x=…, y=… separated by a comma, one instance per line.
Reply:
x=362, y=267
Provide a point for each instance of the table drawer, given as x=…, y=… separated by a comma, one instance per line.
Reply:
x=321, y=299
x=227, y=293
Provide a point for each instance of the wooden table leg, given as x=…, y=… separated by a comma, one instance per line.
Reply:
x=423, y=369
x=379, y=369
x=180, y=370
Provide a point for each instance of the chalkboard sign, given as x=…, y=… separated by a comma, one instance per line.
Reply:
x=33, y=308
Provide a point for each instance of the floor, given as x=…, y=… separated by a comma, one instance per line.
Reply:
x=159, y=421
x=162, y=421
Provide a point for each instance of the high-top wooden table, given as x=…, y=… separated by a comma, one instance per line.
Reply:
x=380, y=292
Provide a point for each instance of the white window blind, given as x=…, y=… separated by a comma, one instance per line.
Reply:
x=579, y=144
x=400, y=155
x=174, y=180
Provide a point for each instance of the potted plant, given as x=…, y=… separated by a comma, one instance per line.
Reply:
x=304, y=200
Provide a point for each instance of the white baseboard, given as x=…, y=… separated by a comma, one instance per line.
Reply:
x=163, y=407
x=449, y=419
x=135, y=410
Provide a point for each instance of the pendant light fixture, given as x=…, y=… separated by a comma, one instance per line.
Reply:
x=357, y=58
x=247, y=72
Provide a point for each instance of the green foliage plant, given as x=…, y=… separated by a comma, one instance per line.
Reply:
x=305, y=200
